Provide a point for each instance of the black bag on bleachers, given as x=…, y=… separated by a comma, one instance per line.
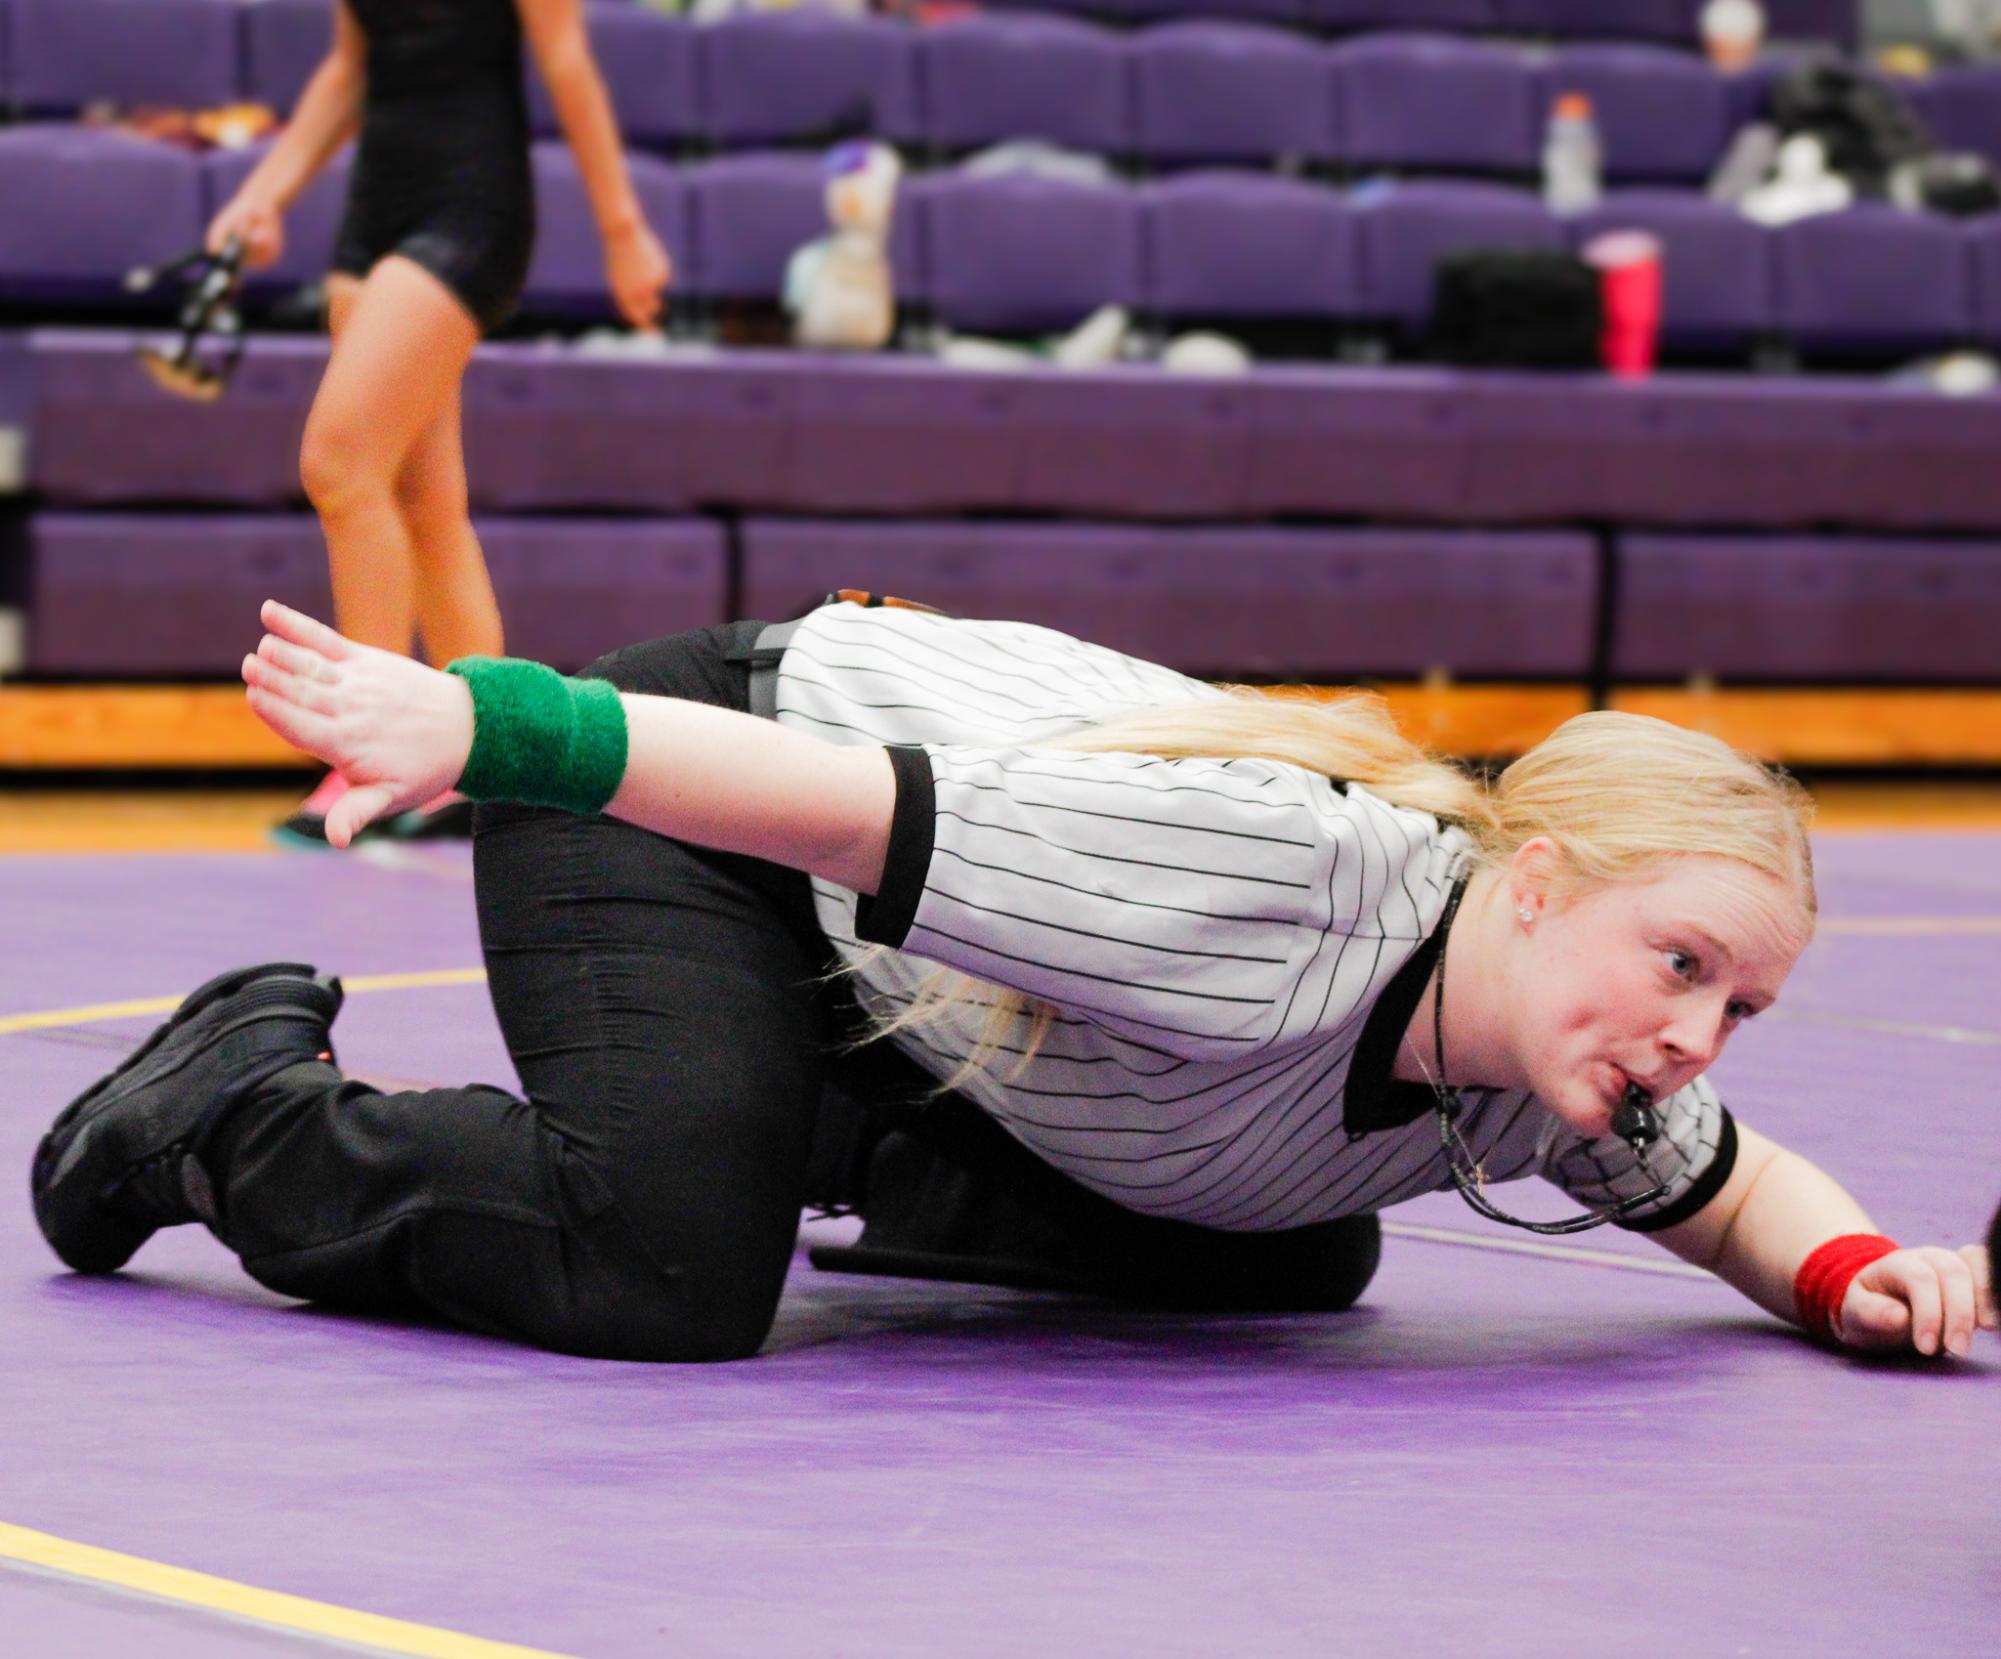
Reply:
x=1866, y=128
x=1516, y=308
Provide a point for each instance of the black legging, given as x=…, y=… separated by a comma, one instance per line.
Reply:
x=670, y=1015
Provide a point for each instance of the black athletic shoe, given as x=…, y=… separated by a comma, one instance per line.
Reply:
x=120, y=1162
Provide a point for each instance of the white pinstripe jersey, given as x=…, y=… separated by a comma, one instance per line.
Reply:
x=1215, y=934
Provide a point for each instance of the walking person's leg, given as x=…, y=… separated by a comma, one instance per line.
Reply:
x=401, y=344
x=457, y=615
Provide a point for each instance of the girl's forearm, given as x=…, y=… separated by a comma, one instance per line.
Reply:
x=739, y=784
x=326, y=116
x=1791, y=1209
x=583, y=110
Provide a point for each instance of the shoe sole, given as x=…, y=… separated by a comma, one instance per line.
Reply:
x=115, y=1237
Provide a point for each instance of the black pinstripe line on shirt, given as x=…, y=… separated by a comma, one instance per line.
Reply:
x=1114, y=858
x=1120, y=817
x=1108, y=1019
x=1102, y=938
x=1057, y=968
x=898, y=642
x=800, y=656
x=1092, y=892
x=1208, y=791
x=1241, y=1085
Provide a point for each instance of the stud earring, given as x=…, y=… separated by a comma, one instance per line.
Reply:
x=1527, y=915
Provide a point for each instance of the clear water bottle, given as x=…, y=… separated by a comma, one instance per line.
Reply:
x=1573, y=166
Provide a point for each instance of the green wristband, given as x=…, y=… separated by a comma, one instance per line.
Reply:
x=540, y=738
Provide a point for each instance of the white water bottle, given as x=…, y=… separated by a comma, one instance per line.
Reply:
x=1572, y=163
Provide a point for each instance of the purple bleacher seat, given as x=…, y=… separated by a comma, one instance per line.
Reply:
x=1230, y=92
x=6, y=54
x=1457, y=16
x=1430, y=103
x=747, y=215
x=983, y=79
x=1020, y=254
x=567, y=276
x=647, y=60
x=790, y=77
x=1603, y=19
x=1983, y=238
x=1232, y=244
x=103, y=432
x=84, y=205
x=1405, y=229
x=569, y=592
x=1750, y=608
x=1839, y=21
x=1293, y=12
x=1962, y=108
x=1874, y=281
x=151, y=593
x=552, y=429
x=311, y=223
x=1718, y=288
x=1356, y=443
x=69, y=53
x=1323, y=604
x=1662, y=116
x=144, y=593
x=284, y=41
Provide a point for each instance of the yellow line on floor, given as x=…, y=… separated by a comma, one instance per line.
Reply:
x=90, y=1015
x=270, y=1608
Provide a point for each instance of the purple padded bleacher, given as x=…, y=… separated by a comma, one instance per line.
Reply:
x=1983, y=237
x=1405, y=229
x=1458, y=16
x=103, y=432
x=284, y=41
x=1662, y=116
x=792, y=77
x=1360, y=443
x=1811, y=608
x=1240, y=245
x=84, y=205
x=566, y=276
x=986, y=78
x=1432, y=103
x=647, y=60
x=1874, y=281
x=1837, y=21
x=1230, y=93
x=1602, y=19
x=311, y=223
x=1288, y=12
x=1020, y=254
x=1240, y=600
x=747, y=214
x=1962, y=107
x=69, y=53
x=1718, y=288
x=146, y=594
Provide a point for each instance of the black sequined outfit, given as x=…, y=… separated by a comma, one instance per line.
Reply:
x=442, y=174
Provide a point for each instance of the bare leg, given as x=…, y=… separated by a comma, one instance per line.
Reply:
x=456, y=612
x=401, y=343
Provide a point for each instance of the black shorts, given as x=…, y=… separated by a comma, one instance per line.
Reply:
x=442, y=178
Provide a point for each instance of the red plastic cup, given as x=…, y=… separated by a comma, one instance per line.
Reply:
x=1628, y=263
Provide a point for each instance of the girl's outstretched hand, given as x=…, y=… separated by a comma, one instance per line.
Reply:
x=1930, y=1299
x=397, y=731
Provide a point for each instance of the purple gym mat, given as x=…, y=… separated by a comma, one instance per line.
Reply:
x=1495, y=1454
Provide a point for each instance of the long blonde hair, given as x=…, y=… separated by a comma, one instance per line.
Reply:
x=1617, y=794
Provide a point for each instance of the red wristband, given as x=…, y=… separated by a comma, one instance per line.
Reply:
x=1824, y=1277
